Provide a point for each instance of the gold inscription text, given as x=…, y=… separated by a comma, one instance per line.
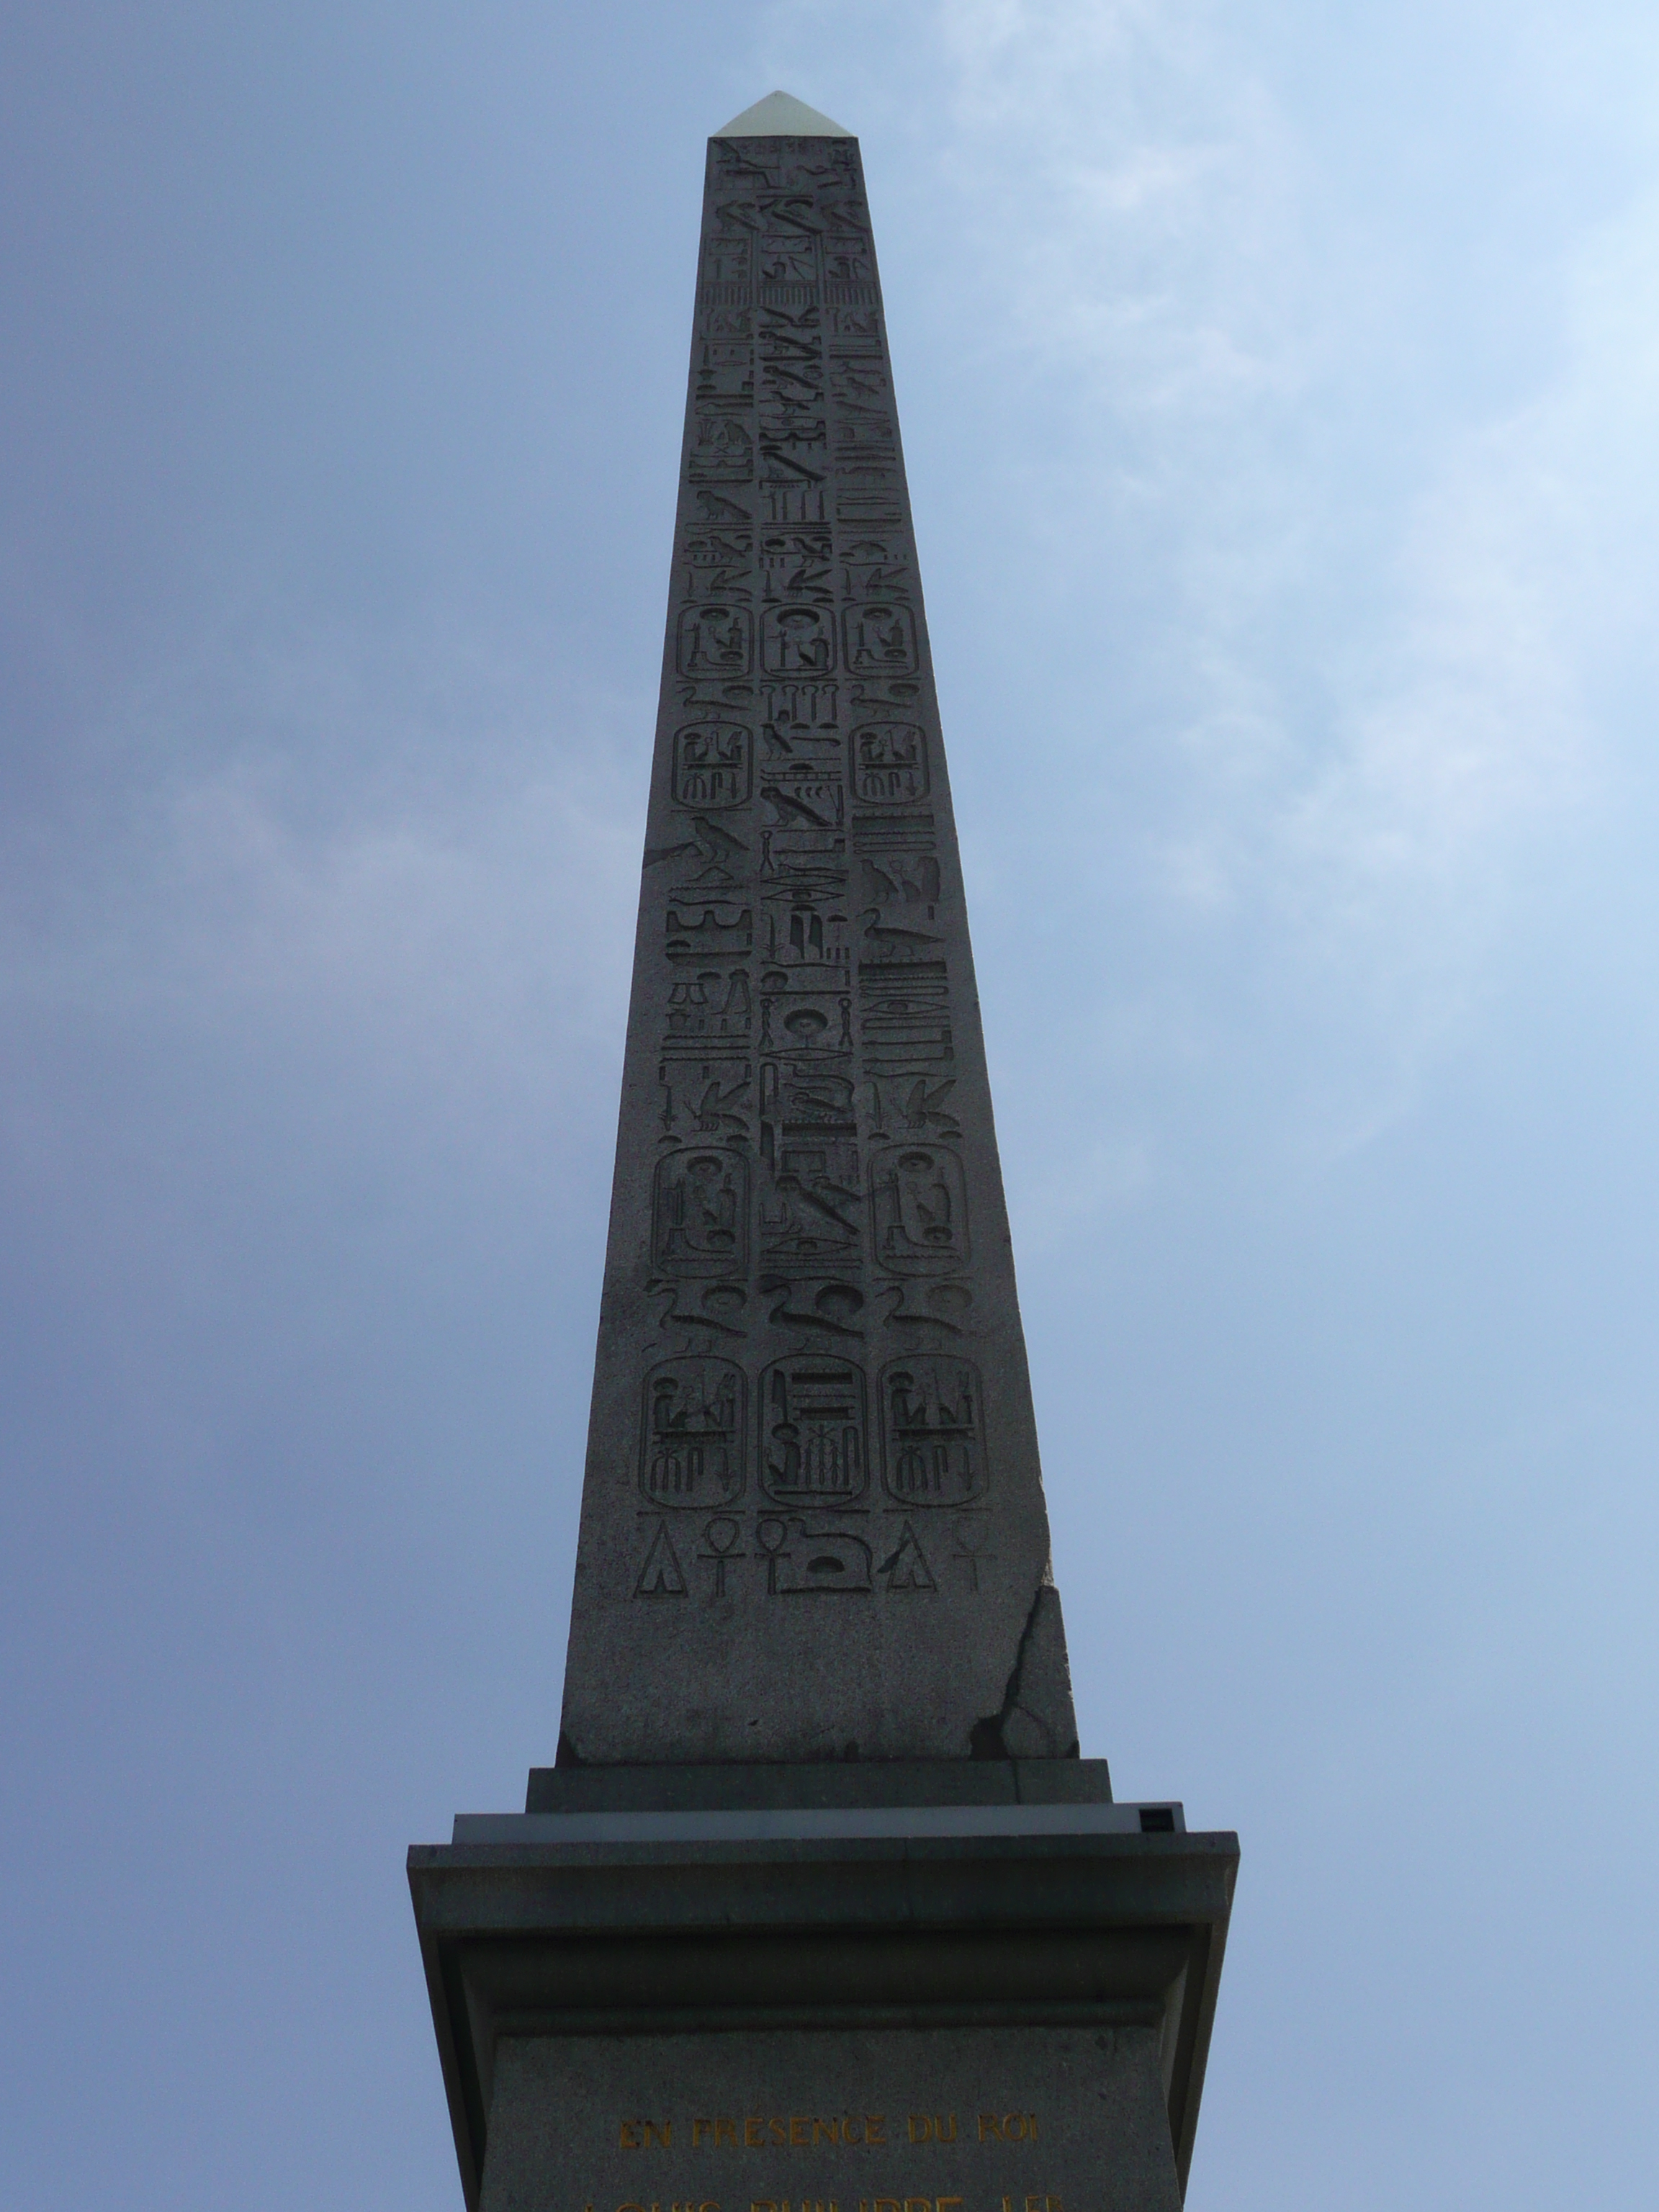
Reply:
x=1012, y=2127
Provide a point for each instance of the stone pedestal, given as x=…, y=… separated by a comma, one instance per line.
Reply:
x=825, y=1995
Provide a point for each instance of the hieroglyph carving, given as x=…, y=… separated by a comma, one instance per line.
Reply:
x=812, y=1433
x=906, y=1566
x=881, y=639
x=712, y=765
x=694, y=1430
x=699, y=1217
x=919, y=1210
x=905, y=1017
x=715, y=640
x=797, y=641
x=805, y=1556
x=661, y=1574
x=933, y=1435
x=809, y=1209
x=724, y=450
x=890, y=763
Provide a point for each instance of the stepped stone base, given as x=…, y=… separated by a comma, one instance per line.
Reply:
x=901, y=2005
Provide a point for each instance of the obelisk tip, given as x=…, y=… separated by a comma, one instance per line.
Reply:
x=780, y=115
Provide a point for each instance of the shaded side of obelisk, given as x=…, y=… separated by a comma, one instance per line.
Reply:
x=813, y=1517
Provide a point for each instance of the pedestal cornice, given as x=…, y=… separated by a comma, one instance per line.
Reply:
x=694, y=1935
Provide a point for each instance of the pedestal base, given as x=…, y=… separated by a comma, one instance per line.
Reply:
x=996, y=2007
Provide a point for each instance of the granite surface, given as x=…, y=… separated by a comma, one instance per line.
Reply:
x=813, y=1517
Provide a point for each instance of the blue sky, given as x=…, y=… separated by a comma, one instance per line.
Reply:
x=1277, y=388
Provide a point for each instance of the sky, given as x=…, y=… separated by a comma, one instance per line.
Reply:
x=1278, y=384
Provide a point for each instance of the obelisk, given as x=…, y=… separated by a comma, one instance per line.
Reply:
x=819, y=1906
x=813, y=1518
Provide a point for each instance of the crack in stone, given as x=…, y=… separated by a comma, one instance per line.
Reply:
x=988, y=1738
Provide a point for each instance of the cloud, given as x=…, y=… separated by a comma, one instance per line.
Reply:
x=1403, y=638
x=1127, y=179
x=414, y=860
x=1502, y=712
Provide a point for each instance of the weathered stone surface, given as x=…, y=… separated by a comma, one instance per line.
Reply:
x=813, y=1518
